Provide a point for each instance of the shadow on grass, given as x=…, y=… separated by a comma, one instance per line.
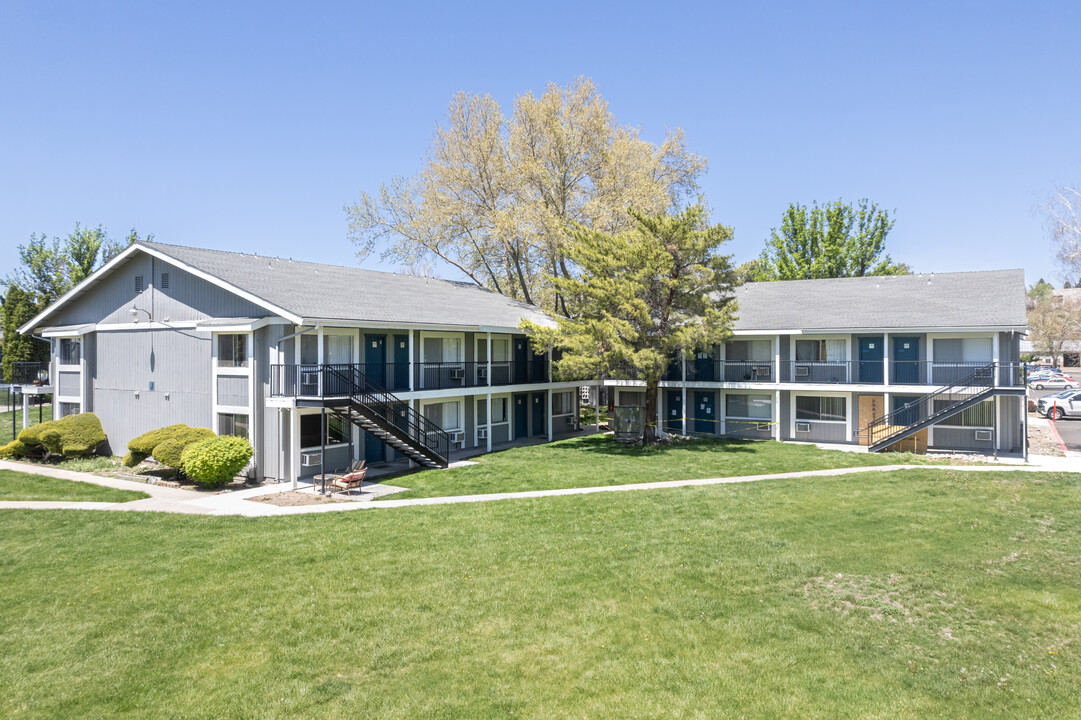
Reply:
x=605, y=445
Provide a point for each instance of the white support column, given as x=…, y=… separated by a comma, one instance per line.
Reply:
x=849, y=411
x=885, y=358
x=26, y=409
x=684, y=398
x=321, y=358
x=412, y=375
x=777, y=411
x=294, y=442
x=549, y=394
x=488, y=415
x=995, y=359
x=998, y=423
x=597, y=406
x=489, y=376
x=412, y=402
x=1024, y=426
x=777, y=359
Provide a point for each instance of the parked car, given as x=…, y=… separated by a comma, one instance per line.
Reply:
x=1060, y=405
x=1043, y=374
x=1056, y=381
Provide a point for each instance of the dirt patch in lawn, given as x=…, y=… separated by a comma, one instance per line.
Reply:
x=295, y=499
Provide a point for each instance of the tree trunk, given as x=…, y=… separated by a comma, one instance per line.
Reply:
x=649, y=433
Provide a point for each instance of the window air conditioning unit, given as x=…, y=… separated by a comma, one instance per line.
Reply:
x=482, y=433
x=311, y=459
x=310, y=377
x=983, y=435
x=762, y=370
x=803, y=427
x=803, y=371
x=761, y=426
x=457, y=436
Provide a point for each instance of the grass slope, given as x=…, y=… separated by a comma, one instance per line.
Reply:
x=26, y=486
x=916, y=594
x=598, y=460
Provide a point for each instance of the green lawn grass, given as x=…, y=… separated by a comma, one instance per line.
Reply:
x=918, y=594
x=596, y=460
x=27, y=486
x=6, y=420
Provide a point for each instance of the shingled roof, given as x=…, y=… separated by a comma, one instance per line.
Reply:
x=990, y=299
x=333, y=292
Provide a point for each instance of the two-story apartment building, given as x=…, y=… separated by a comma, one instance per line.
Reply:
x=315, y=364
x=873, y=360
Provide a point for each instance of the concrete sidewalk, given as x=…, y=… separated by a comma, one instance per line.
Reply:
x=164, y=499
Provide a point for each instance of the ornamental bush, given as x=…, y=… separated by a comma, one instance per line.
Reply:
x=216, y=461
x=166, y=444
x=72, y=436
x=14, y=449
x=170, y=451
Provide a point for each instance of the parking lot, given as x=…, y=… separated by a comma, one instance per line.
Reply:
x=1069, y=428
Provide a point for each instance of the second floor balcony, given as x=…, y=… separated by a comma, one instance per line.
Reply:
x=841, y=372
x=29, y=373
x=333, y=380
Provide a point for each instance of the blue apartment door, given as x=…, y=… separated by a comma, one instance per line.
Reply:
x=673, y=419
x=705, y=418
x=521, y=416
x=539, y=413
x=906, y=360
x=703, y=367
x=904, y=415
x=375, y=358
x=401, y=362
x=521, y=354
x=374, y=449
x=871, y=360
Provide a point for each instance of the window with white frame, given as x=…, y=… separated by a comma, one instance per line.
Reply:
x=749, y=350
x=447, y=415
x=312, y=430
x=563, y=403
x=233, y=424
x=69, y=408
x=820, y=350
x=309, y=349
x=70, y=351
x=442, y=349
x=232, y=350
x=338, y=349
x=979, y=416
x=825, y=409
x=753, y=407
x=631, y=398
x=500, y=350
x=966, y=350
x=499, y=411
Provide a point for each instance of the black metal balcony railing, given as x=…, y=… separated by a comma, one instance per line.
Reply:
x=869, y=372
x=29, y=373
x=317, y=381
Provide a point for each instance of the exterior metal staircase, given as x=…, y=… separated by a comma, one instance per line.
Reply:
x=378, y=411
x=932, y=408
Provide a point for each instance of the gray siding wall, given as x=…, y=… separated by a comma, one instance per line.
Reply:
x=68, y=384
x=187, y=297
x=823, y=432
x=1011, y=423
x=959, y=438
x=265, y=422
x=90, y=364
x=176, y=361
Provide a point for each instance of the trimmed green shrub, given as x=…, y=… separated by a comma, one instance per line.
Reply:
x=14, y=449
x=216, y=461
x=169, y=451
x=144, y=444
x=72, y=436
x=132, y=459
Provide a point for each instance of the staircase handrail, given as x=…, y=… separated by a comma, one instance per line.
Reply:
x=984, y=372
x=385, y=405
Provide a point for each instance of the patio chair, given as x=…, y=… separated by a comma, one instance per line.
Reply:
x=354, y=478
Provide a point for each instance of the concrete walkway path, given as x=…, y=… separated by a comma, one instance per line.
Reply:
x=166, y=499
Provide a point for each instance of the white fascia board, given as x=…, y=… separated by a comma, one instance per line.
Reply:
x=214, y=280
x=249, y=326
x=382, y=325
x=98, y=274
x=90, y=279
x=880, y=330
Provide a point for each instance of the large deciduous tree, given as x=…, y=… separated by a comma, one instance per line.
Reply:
x=643, y=295
x=497, y=194
x=1053, y=322
x=829, y=241
x=1062, y=213
x=19, y=308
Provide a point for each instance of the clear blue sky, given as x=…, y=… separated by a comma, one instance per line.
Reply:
x=247, y=127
